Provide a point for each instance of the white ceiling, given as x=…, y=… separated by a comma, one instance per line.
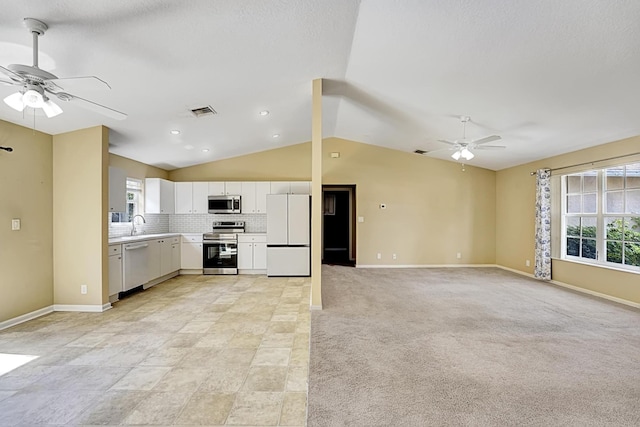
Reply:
x=548, y=76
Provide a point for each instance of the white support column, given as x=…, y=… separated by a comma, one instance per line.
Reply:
x=316, y=199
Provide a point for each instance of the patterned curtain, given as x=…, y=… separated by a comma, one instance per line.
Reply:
x=543, y=225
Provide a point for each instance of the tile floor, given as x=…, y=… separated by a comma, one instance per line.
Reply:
x=194, y=350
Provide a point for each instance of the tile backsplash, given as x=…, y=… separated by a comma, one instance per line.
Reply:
x=156, y=223
x=187, y=223
x=201, y=223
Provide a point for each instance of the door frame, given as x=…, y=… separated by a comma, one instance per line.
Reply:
x=351, y=189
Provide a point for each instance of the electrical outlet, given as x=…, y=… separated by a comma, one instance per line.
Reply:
x=459, y=255
x=379, y=256
x=394, y=256
x=15, y=224
x=527, y=263
x=83, y=289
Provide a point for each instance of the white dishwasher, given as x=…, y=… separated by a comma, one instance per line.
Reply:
x=135, y=264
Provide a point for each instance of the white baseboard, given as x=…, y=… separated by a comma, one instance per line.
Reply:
x=596, y=294
x=576, y=288
x=423, y=265
x=84, y=308
x=513, y=270
x=315, y=307
x=26, y=317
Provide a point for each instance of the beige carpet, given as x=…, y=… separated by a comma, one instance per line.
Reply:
x=478, y=347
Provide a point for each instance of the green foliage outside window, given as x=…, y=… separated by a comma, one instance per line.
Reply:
x=622, y=236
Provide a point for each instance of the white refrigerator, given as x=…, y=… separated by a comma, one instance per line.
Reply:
x=288, y=235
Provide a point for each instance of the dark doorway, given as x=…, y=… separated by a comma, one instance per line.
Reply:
x=338, y=225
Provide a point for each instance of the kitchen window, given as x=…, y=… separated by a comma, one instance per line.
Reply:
x=601, y=216
x=134, y=197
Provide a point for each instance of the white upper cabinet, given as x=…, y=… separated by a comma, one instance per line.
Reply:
x=184, y=197
x=262, y=189
x=290, y=187
x=300, y=187
x=191, y=197
x=221, y=188
x=117, y=190
x=248, y=193
x=254, y=196
x=216, y=188
x=159, y=196
x=233, y=188
x=200, y=194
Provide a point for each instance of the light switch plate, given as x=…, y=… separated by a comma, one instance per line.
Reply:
x=15, y=224
x=360, y=219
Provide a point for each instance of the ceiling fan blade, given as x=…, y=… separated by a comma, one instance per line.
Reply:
x=7, y=82
x=81, y=83
x=486, y=139
x=90, y=105
x=490, y=147
x=11, y=74
x=447, y=142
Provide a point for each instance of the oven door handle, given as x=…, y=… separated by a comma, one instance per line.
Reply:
x=215, y=242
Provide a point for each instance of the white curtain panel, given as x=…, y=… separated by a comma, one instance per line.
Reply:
x=543, y=225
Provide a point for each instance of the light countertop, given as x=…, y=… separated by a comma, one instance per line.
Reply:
x=141, y=238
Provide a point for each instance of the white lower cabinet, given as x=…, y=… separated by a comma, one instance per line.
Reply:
x=115, y=269
x=175, y=254
x=154, y=259
x=191, y=252
x=161, y=257
x=252, y=252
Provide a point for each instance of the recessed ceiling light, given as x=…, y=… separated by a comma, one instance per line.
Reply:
x=276, y=135
x=174, y=132
x=205, y=150
x=264, y=113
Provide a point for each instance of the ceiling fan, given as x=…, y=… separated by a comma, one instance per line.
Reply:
x=464, y=146
x=37, y=86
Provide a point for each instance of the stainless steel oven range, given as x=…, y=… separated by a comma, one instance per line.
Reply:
x=220, y=248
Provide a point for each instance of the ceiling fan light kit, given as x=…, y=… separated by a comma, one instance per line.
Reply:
x=35, y=84
x=464, y=146
x=33, y=97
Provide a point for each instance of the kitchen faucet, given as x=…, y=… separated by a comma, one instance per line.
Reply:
x=133, y=223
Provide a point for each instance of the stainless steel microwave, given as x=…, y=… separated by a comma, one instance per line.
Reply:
x=225, y=205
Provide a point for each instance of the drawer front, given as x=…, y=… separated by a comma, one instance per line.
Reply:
x=252, y=238
x=115, y=249
x=192, y=238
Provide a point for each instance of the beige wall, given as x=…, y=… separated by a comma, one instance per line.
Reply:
x=80, y=171
x=515, y=219
x=26, y=256
x=135, y=169
x=282, y=164
x=434, y=209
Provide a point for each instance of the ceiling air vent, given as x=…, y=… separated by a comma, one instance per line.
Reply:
x=421, y=152
x=203, y=111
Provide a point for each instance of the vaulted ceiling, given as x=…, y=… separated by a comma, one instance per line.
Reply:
x=547, y=76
